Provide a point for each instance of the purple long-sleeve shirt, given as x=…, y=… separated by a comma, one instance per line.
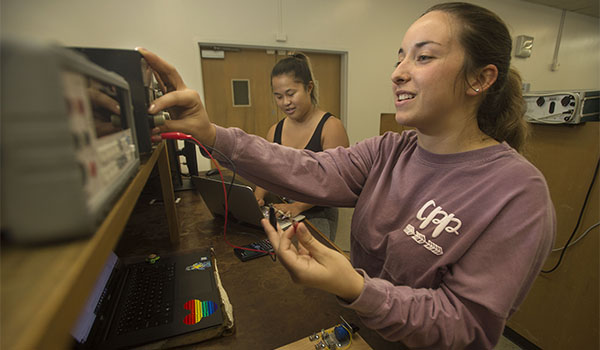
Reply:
x=449, y=245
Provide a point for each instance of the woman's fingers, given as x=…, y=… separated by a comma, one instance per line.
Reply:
x=302, y=250
x=272, y=233
x=167, y=73
x=280, y=240
x=308, y=244
x=181, y=98
x=161, y=85
x=184, y=105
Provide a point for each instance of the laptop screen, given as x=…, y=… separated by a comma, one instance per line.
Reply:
x=242, y=204
x=84, y=324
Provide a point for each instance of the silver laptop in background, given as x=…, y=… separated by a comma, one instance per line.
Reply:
x=242, y=204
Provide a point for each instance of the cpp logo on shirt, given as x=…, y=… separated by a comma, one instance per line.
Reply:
x=432, y=214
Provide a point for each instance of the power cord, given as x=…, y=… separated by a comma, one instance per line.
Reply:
x=579, y=238
x=587, y=196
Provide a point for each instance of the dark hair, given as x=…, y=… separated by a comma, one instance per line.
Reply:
x=297, y=64
x=486, y=40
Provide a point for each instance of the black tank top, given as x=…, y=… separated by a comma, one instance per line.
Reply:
x=314, y=144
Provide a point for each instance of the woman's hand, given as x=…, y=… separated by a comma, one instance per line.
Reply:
x=188, y=114
x=292, y=210
x=260, y=201
x=313, y=264
x=259, y=194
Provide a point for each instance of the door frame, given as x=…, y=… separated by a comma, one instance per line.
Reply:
x=343, y=67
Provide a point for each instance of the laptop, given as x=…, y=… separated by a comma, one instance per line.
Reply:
x=242, y=204
x=142, y=302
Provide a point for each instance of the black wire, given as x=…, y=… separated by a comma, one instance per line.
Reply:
x=194, y=142
x=210, y=149
x=587, y=196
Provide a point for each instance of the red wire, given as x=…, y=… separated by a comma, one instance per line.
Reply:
x=182, y=136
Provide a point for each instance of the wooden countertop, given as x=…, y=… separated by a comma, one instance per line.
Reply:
x=44, y=287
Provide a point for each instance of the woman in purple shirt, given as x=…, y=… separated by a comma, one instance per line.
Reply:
x=451, y=224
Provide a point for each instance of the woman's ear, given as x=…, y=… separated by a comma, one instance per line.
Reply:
x=310, y=86
x=487, y=77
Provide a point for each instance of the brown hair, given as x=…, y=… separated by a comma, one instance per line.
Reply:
x=297, y=64
x=486, y=40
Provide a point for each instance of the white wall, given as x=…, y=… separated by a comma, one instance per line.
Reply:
x=369, y=30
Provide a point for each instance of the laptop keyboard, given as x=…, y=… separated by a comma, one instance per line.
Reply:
x=149, y=297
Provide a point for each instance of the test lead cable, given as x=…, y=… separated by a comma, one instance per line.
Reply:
x=190, y=138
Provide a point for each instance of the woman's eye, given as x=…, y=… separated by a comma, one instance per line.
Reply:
x=423, y=58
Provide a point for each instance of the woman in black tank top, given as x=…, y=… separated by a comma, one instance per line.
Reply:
x=305, y=126
x=314, y=144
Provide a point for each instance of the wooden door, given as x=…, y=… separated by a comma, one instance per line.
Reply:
x=252, y=68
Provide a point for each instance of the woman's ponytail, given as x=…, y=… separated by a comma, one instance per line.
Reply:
x=501, y=114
